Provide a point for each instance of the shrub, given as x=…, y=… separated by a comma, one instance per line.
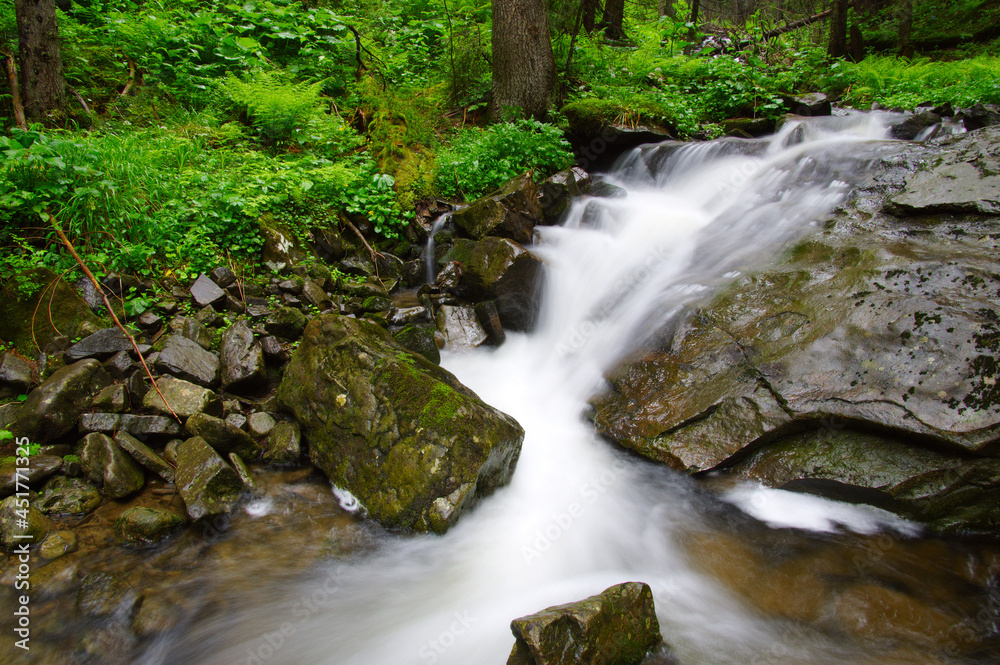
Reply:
x=480, y=160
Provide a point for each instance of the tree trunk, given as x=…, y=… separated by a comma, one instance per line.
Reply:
x=667, y=8
x=15, y=91
x=524, y=67
x=614, y=18
x=589, y=14
x=905, y=28
x=44, y=88
x=695, y=8
x=838, y=30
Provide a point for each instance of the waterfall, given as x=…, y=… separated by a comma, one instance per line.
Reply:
x=579, y=515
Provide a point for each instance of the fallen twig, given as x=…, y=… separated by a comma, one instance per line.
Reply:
x=111, y=311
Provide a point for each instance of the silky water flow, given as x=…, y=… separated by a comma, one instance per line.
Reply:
x=580, y=515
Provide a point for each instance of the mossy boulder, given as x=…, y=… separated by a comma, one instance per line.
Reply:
x=414, y=445
x=208, y=485
x=510, y=212
x=501, y=270
x=615, y=627
x=19, y=525
x=52, y=409
x=419, y=339
x=47, y=313
x=108, y=466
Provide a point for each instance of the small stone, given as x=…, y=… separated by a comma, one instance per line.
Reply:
x=273, y=350
x=57, y=544
x=39, y=469
x=246, y=477
x=237, y=420
x=145, y=456
x=207, y=484
x=141, y=526
x=184, y=397
x=107, y=465
x=286, y=322
x=170, y=451
x=17, y=528
x=113, y=399
x=292, y=285
x=401, y=317
x=261, y=423
x=205, y=291
x=150, y=322
x=223, y=436
x=15, y=375
x=68, y=496
x=207, y=316
x=241, y=359
x=101, y=345
x=187, y=360
x=315, y=295
x=120, y=365
x=284, y=444
x=223, y=276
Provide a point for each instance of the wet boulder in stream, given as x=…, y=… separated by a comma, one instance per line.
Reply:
x=866, y=355
x=510, y=212
x=414, y=445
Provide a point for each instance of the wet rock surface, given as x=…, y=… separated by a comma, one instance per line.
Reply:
x=617, y=626
x=878, y=325
x=414, y=445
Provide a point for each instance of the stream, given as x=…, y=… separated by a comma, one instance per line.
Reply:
x=741, y=574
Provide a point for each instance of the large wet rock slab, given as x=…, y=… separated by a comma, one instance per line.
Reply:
x=878, y=324
x=413, y=444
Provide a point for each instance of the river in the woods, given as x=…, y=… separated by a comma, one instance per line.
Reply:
x=579, y=514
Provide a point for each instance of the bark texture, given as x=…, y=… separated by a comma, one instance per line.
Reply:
x=44, y=87
x=838, y=29
x=524, y=67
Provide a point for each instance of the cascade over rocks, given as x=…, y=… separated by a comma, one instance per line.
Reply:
x=414, y=445
x=866, y=356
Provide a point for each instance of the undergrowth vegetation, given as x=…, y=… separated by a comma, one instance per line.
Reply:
x=194, y=122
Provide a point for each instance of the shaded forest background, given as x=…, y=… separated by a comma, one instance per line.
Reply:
x=163, y=136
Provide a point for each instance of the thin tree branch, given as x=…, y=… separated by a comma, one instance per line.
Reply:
x=111, y=311
x=15, y=91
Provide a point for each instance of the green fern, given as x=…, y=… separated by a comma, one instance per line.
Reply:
x=277, y=107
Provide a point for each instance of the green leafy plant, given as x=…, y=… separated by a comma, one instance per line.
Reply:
x=480, y=160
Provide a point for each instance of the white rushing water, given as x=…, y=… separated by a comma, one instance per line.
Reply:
x=580, y=516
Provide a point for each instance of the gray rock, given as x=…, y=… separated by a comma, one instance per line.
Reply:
x=223, y=436
x=140, y=526
x=150, y=322
x=68, y=496
x=284, y=444
x=241, y=359
x=113, y=399
x=405, y=315
x=207, y=484
x=489, y=319
x=39, y=469
x=186, y=360
x=52, y=409
x=207, y=316
x=205, y=291
x=145, y=456
x=15, y=529
x=911, y=127
x=108, y=466
x=237, y=420
x=15, y=375
x=194, y=330
x=101, y=345
x=348, y=379
x=184, y=397
x=120, y=365
x=261, y=423
x=273, y=350
x=133, y=424
x=618, y=626
x=556, y=193
x=460, y=327
x=223, y=276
